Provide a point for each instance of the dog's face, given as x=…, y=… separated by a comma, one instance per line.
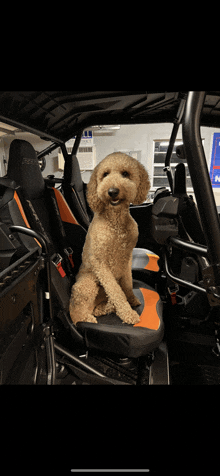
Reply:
x=116, y=182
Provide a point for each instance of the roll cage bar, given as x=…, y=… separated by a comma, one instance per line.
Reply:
x=177, y=122
x=199, y=174
x=203, y=190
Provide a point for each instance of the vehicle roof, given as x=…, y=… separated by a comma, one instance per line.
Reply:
x=59, y=115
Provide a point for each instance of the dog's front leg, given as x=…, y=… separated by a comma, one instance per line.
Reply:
x=127, y=286
x=83, y=296
x=114, y=292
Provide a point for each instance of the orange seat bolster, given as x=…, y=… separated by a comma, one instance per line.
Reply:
x=149, y=317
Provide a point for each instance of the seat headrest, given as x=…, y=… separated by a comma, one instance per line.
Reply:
x=23, y=167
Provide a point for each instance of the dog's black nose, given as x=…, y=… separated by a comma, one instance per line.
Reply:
x=113, y=192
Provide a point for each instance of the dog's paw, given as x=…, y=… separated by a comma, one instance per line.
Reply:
x=90, y=318
x=134, y=301
x=83, y=318
x=132, y=318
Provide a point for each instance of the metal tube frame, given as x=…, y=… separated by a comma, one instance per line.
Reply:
x=188, y=246
x=47, y=327
x=177, y=122
x=180, y=281
x=199, y=174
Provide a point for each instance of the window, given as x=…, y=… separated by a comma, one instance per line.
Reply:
x=159, y=176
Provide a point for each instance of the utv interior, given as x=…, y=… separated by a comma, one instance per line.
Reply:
x=43, y=226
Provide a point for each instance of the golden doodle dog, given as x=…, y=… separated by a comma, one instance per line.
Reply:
x=104, y=281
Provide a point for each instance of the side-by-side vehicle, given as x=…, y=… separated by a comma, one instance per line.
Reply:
x=43, y=226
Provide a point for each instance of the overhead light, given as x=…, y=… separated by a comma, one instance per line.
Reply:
x=105, y=129
x=178, y=141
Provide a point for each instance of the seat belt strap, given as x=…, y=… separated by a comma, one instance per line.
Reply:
x=69, y=253
x=67, y=250
x=57, y=261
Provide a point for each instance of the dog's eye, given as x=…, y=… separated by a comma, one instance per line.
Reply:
x=105, y=174
x=125, y=174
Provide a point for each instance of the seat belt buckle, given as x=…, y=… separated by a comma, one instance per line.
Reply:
x=58, y=263
x=173, y=290
x=173, y=299
x=69, y=253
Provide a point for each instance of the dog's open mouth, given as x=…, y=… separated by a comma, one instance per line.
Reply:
x=115, y=202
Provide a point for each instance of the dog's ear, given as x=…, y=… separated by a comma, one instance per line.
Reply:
x=144, y=185
x=94, y=201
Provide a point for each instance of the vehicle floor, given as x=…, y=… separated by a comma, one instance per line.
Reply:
x=191, y=346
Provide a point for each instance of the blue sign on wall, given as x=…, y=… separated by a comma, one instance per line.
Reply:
x=215, y=161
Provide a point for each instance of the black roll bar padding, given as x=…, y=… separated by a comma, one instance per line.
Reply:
x=167, y=168
x=77, y=142
x=177, y=122
x=69, y=157
x=199, y=173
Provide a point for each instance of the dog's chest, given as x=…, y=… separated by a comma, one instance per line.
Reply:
x=125, y=238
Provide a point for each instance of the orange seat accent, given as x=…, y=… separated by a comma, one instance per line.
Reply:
x=149, y=317
x=17, y=199
x=152, y=264
x=65, y=212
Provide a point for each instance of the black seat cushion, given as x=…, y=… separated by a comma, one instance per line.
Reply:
x=110, y=334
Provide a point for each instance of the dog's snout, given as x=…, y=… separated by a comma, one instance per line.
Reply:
x=113, y=192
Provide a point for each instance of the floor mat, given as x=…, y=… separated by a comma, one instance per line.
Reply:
x=182, y=374
x=191, y=357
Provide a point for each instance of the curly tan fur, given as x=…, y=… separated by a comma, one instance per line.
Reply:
x=104, y=281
